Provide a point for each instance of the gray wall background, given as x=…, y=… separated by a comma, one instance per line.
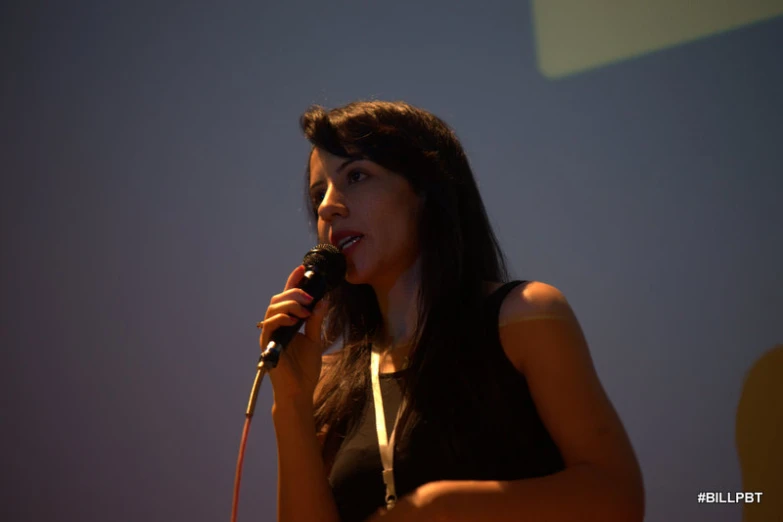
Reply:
x=151, y=205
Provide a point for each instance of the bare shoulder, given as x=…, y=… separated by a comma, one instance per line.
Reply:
x=532, y=300
x=528, y=308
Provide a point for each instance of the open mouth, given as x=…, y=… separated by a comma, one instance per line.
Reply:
x=350, y=242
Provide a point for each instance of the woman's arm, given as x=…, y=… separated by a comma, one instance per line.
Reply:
x=602, y=480
x=584, y=493
x=303, y=491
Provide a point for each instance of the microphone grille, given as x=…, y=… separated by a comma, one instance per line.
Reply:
x=327, y=260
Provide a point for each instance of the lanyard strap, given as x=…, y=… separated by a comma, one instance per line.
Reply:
x=386, y=447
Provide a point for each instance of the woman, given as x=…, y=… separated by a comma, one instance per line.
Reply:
x=501, y=414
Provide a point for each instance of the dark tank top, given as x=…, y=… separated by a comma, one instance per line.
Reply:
x=507, y=439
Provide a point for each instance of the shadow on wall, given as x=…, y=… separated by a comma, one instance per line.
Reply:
x=760, y=436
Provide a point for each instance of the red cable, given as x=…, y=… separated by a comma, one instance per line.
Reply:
x=238, y=477
x=251, y=405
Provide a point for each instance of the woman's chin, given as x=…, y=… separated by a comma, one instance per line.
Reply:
x=355, y=276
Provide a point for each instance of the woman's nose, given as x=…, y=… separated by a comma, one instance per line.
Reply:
x=333, y=203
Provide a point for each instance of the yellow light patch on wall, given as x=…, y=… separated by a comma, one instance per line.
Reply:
x=578, y=35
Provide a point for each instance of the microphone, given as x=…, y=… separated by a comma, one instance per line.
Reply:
x=324, y=269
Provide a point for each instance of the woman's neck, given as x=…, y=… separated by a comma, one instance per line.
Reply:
x=398, y=304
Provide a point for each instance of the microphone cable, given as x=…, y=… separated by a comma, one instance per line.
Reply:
x=251, y=406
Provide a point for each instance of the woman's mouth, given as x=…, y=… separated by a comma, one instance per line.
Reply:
x=349, y=245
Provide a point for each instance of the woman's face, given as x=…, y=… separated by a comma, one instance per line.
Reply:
x=367, y=199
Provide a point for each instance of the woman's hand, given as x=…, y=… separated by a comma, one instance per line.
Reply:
x=418, y=506
x=299, y=367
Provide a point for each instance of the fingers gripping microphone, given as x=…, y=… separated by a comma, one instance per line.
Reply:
x=324, y=270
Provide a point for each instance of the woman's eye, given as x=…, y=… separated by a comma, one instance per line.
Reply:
x=351, y=174
x=352, y=178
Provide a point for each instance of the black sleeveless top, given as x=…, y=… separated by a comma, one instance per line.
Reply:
x=507, y=439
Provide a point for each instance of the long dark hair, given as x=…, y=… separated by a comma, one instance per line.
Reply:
x=459, y=251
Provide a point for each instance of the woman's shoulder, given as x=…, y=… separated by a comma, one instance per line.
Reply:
x=526, y=309
x=530, y=300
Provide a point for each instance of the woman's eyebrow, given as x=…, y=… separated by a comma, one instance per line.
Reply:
x=342, y=166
